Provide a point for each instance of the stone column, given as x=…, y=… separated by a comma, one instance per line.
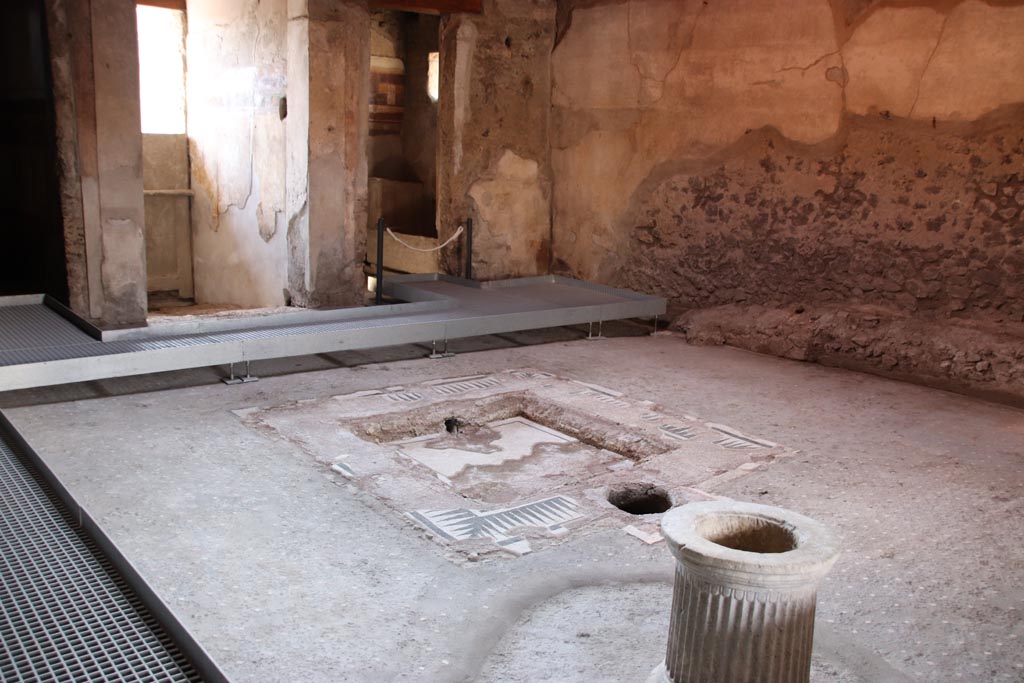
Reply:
x=95, y=63
x=62, y=63
x=119, y=143
x=745, y=593
x=326, y=132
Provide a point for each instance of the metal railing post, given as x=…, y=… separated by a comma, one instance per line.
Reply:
x=469, y=248
x=379, y=290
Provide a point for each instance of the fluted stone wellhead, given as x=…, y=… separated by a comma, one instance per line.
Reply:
x=745, y=593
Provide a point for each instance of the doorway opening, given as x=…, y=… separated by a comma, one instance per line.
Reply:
x=165, y=154
x=402, y=144
x=32, y=257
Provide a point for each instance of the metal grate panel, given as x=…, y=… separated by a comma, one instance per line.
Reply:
x=66, y=615
x=37, y=326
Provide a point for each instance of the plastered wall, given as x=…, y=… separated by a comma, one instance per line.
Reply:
x=236, y=55
x=798, y=152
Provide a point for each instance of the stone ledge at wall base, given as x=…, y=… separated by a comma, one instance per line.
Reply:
x=745, y=593
x=975, y=358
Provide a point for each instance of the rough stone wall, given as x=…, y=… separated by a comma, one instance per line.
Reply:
x=236, y=59
x=926, y=221
x=795, y=151
x=493, y=136
x=973, y=357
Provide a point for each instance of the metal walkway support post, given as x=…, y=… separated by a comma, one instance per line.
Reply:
x=745, y=593
x=469, y=248
x=232, y=379
x=379, y=289
x=444, y=353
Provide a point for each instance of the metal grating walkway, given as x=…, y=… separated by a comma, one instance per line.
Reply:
x=66, y=614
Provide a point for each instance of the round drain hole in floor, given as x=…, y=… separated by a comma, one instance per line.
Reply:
x=640, y=498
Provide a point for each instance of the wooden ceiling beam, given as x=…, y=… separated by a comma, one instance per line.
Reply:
x=423, y=6
x=430, y=6
x=166, y=4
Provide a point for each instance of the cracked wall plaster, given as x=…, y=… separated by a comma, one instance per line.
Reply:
x=923, y=62
x=977, y=64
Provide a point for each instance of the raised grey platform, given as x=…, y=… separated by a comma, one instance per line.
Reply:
x=42, y=343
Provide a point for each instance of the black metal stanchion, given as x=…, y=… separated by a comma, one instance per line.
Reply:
x=379, y=290
x=469, y=248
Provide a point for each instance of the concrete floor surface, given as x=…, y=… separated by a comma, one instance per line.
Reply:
x=286, y=573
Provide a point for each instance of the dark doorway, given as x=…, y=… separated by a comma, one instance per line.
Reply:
x=31, y=230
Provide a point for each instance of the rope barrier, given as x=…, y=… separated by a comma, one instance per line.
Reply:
x=420, y=249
